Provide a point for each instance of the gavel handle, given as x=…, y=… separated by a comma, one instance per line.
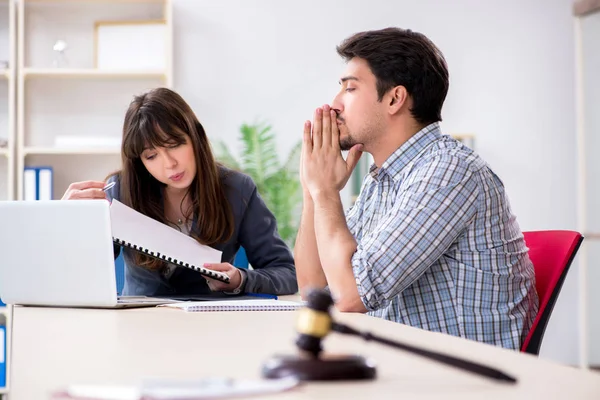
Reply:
x=445, y=359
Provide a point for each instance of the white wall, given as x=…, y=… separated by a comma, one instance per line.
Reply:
x=590, y=34
x=512, y=85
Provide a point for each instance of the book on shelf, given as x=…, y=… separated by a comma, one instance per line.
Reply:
x=37, y=183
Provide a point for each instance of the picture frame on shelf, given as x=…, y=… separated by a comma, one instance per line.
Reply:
x=130, y=45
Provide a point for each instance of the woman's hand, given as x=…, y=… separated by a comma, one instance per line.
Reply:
x=87, y=190
x=235, y=277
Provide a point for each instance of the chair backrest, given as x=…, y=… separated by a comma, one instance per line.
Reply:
x=120, y=273
x=551, y=253
x=241, y=259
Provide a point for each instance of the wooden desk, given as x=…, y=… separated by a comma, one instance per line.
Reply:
x=53, y=347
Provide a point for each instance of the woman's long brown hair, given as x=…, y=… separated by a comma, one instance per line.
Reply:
x=154, y=119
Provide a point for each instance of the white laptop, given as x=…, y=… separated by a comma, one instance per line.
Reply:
x=60, y=253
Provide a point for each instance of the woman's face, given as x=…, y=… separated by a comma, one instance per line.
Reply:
x=174, y=164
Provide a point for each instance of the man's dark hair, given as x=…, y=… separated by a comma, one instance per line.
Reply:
x=401, y=57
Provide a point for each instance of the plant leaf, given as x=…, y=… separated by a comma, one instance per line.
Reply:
x=292, y=163
x=277, y=184
x=259, y=155
x=284, y=198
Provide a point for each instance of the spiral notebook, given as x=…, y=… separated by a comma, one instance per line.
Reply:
x=236, y=305
x=141, y=233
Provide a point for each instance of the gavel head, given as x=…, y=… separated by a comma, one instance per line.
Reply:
x=314, y=322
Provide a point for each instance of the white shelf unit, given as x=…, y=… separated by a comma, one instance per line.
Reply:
x=7, y=98
x=91, y=73
x=76, y=99
x=74, y=150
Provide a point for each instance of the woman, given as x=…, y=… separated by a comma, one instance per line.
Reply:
x=170, y=175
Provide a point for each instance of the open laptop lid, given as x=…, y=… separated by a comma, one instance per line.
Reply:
x=57, y=253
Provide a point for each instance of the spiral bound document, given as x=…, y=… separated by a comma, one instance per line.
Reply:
x=236, y=305
x=141, y=233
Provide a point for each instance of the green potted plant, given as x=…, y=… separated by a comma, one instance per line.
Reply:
x=277, y=182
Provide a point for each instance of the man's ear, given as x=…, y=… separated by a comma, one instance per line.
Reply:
x=398, y=97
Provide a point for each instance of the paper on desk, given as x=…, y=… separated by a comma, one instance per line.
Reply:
x=136, y=228
x=210, y=388
x=237, y=305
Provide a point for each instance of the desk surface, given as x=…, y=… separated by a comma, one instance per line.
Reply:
x=54, y=347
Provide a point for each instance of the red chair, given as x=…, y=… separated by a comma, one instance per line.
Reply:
x=551, y=253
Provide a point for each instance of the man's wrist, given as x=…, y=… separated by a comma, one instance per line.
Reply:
x=306, y=195
x=324, y=195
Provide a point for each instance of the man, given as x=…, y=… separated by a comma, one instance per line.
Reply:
x=431, y=241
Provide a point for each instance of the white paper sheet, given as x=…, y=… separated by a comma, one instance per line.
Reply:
x=209, y=388
x=137, y=229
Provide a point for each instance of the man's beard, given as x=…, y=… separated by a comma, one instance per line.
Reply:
x=346, y=143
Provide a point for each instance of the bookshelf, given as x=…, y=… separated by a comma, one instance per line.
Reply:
x=7, y=98
x=68, y=99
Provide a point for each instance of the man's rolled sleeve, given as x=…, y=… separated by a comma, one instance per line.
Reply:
x=366, y=291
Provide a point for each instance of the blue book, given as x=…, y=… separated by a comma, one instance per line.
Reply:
x=2, y=356
x=37, y=183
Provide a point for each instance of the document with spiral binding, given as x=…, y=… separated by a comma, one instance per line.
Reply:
x=141, y=233
x=236, y=305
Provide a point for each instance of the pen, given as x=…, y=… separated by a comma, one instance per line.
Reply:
x=263, y=295
x=110, y=185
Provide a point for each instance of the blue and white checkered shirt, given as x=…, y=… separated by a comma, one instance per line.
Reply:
x=438, y=245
